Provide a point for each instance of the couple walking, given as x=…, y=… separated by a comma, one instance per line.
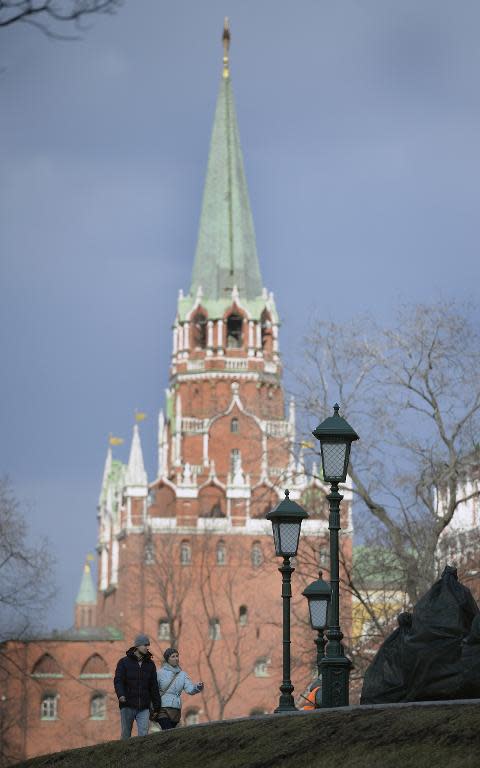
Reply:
x=139, y=686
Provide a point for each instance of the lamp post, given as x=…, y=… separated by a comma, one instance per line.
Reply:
x=336, y=437
x=318, y=594
x=286, y=521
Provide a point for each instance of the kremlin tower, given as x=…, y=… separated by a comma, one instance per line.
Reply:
x=187, y=556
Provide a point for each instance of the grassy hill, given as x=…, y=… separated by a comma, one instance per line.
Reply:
x=410, y=736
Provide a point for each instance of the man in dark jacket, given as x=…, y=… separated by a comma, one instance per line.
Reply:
x=136, y=687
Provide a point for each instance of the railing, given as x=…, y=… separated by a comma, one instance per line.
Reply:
x=196, y=426
x=196, y=365
x=236, y=363
x=277, y=428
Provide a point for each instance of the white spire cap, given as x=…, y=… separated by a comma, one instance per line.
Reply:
x=136, y=474
x=291, y=417
x=161, y=444
x=106, y=472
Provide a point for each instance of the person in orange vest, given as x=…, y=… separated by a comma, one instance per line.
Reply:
x=314, y=698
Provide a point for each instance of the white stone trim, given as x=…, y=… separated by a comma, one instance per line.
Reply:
x=115, y=556
x=221, y=524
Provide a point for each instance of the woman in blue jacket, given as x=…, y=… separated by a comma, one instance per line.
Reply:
x=172, y=682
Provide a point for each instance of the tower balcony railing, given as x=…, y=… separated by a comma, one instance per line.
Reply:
x=276, y=428
x=195, y=426
x=196, y=365
x=236, y=363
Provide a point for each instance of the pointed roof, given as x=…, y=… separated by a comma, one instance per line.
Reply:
x=87, y=594
x=106, y=473
x=136, y=474
x=226, y=253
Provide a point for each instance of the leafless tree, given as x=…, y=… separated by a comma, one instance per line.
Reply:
x=229, y=657
x=48, y=15
x=26, y=590
x=412, y=392
x=169, y=583
x=26, y=572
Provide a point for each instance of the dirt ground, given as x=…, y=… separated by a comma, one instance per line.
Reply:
x=410, y=736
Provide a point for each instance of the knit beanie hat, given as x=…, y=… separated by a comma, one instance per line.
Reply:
x=168, y=653
x=141, y=640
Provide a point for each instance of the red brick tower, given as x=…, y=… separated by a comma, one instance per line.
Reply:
x=188, y=558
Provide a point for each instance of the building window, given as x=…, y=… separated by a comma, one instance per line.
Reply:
x=266, y=325
x=261, y=668
x=257, y=554
x=234, y=332
x=216, y=510
x=235, y=460
x=214, y=629
x=149, y=553
x=164, y=629
x=98, y=706
x=234, y=426
x=200, y=331
x=243, y=615
x=185, y=553
x=48, y=707
x=192, y=717
x=323, y=556
x=221, y=553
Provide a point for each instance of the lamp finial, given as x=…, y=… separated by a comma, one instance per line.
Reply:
x=336, y=408
x=287, y=494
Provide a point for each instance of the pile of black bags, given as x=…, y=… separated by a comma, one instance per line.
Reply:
x=434, y=654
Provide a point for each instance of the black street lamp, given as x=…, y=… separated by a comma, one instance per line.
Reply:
x=336, y=437
x=286, y=523
x=318, y=594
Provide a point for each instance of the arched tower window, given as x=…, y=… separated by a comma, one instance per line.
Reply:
x=164, y=629
x=266, y=325
x=199, y=326
x=234, y=331
x=235, y=460
x=98, y=706
x=216, y=510
x=261, y=667
x=256, y=554
x=49, y=706
x=185, y=553
x=243, y=615
x=149, y=553
x=221, y=553
x=234, y=425
x=214, y=629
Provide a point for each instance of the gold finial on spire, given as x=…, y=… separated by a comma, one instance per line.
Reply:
x=226, y=47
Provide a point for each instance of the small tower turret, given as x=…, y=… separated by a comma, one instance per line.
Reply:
x=86, y=602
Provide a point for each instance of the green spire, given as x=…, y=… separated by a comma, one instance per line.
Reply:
x=87, y=593
x=226, y=253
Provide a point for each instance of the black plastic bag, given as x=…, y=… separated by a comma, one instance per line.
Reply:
x=384, y=679
x=442, y=618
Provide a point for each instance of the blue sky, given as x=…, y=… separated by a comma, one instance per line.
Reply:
x=360, y=126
